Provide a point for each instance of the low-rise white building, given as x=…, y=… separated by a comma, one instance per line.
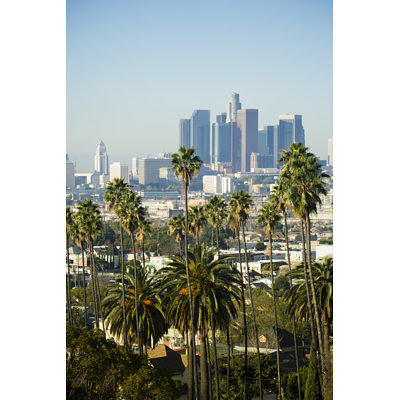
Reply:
x=217, y=184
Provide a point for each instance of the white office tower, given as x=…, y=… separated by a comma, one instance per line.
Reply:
x=330, y=152
x=101, y=164
x=70, y=170
x=135, y=167
x=216, y=184
x=119, y=170
x=233, y=106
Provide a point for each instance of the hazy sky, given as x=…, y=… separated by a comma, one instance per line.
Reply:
x=134, y=68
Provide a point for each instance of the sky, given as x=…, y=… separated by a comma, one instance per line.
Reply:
x=134, y=68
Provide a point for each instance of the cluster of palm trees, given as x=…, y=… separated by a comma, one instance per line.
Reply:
x=200, y=291
x=82, y=228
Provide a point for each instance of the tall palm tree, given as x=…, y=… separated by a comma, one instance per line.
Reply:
x=186, y=164
x=91, y=222
x=281, y=203
x=269, y=218
x=144, y=229
x=113, y=195
x=295, y=300
x=78, y=236
x=69, y=227
x=215, y=288
x=176, y=229
x=130, y=209
x=306, y=187
x=196, y=222
x=239, y=209
x=216, y=213
x=148, y=307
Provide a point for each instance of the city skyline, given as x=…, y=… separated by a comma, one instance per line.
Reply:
x=128, y=84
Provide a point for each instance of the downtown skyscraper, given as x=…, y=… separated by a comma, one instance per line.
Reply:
x=200, y=134
x=233, y=106
x=184, y=133
x=247, y=122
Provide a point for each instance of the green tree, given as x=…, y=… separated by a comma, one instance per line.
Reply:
x=215, y=288
x=196, y=222
x=90, y=222
x=240, y=206
x=152, y=325
x=130, y=210
x=176, y=229
x=186, y=164
x=269, y=218
x=313, y=388
x=114, y=193
x=260, y=246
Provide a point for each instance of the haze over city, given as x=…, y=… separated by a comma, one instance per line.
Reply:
x=134, y=70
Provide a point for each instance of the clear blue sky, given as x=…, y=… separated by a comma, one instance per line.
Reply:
x=134, y=68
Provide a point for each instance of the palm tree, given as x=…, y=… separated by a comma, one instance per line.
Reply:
x=69, y=227
x=130, y=210
x=145, y=303
x=186, y=165
x=269, y=218
x=215, y=287
x=77, y=235
x=176, y=229
x=144, y=229
x=281, y=202
x=216, y=214
x=114, y=193
x=196, y=222
x=303, y=171
x=91, y=222
x=295, y=300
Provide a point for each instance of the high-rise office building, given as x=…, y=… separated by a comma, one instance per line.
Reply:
x=135, y=167
x=200, y=134
x=101, y=164
x=184, y=133
x=149, y=169
x=260, y=161
x=119, y=170
x=290, y=131
x=220, y=146
x=233, y=106
x=268, y=144
x=247, y=122
x=330, y=152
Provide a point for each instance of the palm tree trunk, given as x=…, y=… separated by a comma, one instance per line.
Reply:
x=189, y=287
x=93, y=281
x=136, y=293
x=215, y=358
x=217, y=237
x=209, y=369
x=143, y=256
x=125, y=339
x=275, y=316
x=203, y=367
x=296, y=355
x=328, y=363
x=244, y=316
x=309, y=304
x=190, y=367
x=228, y=371
x=69, y=309
x=101, y=305
x=84, y=284
x=314, y=300
x=254, y=316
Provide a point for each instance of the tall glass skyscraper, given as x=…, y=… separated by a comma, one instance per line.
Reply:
x=184, y=133
x=233, y=106
x=220, y=147
x=101, y=164
x=247, y=122
x=200, y=134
